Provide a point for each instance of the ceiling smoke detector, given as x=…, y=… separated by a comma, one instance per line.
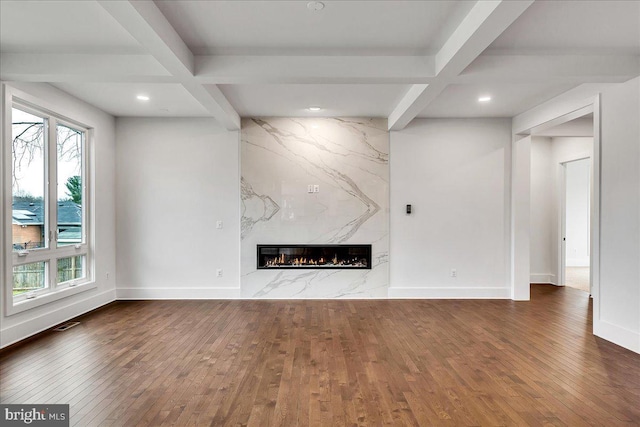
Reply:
x=315, y=5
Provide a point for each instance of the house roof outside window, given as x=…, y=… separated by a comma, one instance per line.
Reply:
x=28, y=212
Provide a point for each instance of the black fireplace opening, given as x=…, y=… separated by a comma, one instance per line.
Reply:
x=314, y=256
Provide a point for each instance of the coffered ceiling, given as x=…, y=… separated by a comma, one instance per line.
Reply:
x=394, y=59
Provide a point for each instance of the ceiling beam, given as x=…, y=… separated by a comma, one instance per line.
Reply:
x=71, y=67
x=239, y=69
x=231, y=69
x=482, y=25
x=221, y=103
x=487, y=68
x=407, y=104
x=551, y=68
x=146, y=23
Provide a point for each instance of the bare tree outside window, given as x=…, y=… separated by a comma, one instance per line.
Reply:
x=28, y=145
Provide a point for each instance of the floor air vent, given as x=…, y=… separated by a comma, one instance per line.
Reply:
x=66, y=326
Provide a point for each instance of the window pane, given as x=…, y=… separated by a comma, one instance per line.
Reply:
x=28, y=180
x=29, y=277
x=70, y=268
x=70, y=193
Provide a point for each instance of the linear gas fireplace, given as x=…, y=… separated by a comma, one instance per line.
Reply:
x=314, y=256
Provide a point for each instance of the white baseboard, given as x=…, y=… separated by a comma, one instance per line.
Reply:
x=234, y=293
x=450, y=293
x=543, y=278
x=20, y=331
x=177, y=293
x=618, y=335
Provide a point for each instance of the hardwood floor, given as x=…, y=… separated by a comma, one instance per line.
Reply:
x=332, y=362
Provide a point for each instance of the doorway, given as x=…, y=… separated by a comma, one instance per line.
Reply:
x=560, y=195
x=576, y=224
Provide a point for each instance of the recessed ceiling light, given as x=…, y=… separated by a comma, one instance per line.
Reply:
x=142, y=98
x=315, y=5
x=314, y=108
x=484, y=99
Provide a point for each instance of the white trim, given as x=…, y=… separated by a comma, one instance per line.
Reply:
x=594, y=255
x=543, y=279
x=450, y=293
x=46, y=297
x=617, y=334
x=38, y=324
x=565, y=104
x=178, y=293
x=560, y=120
x=181, y=293
x=6, y=192
x=520, y=248
x=561, y=244
x=5, y=227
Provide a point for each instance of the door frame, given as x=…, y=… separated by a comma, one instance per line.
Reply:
x=562, y=244
x=523, y=127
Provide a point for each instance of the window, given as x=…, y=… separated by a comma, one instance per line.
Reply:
x=49, y=205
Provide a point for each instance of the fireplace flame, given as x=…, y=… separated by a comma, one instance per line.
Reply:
x=282, y=260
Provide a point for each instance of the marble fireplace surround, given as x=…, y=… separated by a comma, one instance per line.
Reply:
x=347, y=161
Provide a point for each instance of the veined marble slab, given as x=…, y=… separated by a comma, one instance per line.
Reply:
x=349, y=160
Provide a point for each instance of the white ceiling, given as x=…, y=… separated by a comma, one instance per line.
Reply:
x=62, y=27
x=507, y=99
x=289, y=27
x=119, y=99
x=575, y=26
x=395, y=59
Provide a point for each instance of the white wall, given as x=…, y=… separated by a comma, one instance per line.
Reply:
x=544, y=216
x=175, y=179
x=620, y=216
x=21, y=325
x=577, y=213
x=567, y=149
x=454, y=173
x=547, y=155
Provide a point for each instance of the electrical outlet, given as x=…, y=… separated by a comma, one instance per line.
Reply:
x=454, y=273
x=316, y=188
x=219, y=272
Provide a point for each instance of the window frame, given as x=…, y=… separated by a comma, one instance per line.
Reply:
x=52, y=252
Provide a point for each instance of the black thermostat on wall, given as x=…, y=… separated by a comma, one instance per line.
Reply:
x=408, y=209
